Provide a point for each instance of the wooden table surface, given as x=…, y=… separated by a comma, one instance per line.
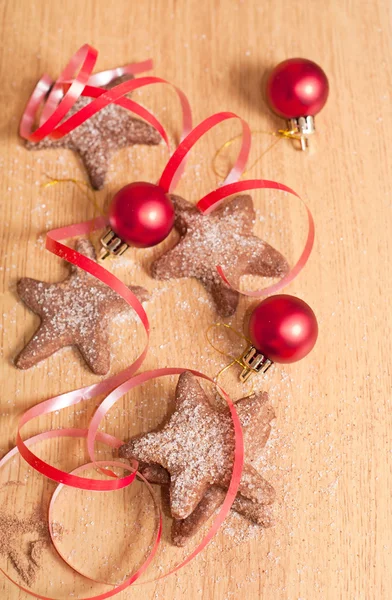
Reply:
x=329, y=456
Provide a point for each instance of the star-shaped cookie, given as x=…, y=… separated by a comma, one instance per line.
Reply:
x=74, y=312
x=98, y=138
x=225, y=237
x=196, y=448
x=256, y=435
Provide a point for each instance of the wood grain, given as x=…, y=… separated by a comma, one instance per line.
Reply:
x=330, y=453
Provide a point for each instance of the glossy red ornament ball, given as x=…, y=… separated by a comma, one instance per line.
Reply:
x=283, y=328
x=141, y=214
x=297, y=88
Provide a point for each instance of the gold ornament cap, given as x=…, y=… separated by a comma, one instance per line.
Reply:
x=302, y=127
x=253, y=362
x=112, y=244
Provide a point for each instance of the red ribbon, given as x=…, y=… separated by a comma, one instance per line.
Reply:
x=84, y=60
x=238, y=440
x=170, y=175
x=70, y=398
x=211, y=201
x=121, y=383
x=114, y=443
x=58, y=104
x=129, y=580
x=75, y=481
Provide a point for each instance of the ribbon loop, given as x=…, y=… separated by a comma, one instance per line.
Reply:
x=114, y=443
x=61, y=97
x=86, y=57
x=74, y=480
x=173, y=169
x=103, y=98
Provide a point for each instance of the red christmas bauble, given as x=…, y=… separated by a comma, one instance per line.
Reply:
x=141, y=214
x=297, y=87
x=283, y=328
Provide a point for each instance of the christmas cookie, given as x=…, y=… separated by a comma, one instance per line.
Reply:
x=225, y=237
x=194, y=452
x=74, y=312
x=98, y=138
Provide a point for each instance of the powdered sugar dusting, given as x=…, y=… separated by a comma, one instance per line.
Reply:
x=222, y=238
x=196, y=446
x=76, y=311
x=109, y=130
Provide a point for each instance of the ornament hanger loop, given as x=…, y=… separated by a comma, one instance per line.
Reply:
x=237, y=333
x=235, y=360
x=280, y=134
x=83, y=187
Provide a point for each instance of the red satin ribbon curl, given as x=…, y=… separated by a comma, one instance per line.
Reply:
x=230, y=186
x=70, y=398
x=238, y=444
x=115, y=443
x=71, y=478
x=57, y=104
x=84, y=60
x=170, y=175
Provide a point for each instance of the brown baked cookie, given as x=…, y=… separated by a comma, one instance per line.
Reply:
x=256, y=435
x=196, y=447
x=225, y=237
x=98, y=138
x=74, y=312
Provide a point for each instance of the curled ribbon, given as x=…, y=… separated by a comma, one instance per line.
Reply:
x=231, y=186
x=74, y=480
x=56, y=104
x=53, y=244
x=169, y=177
x=70, y=398
x=114, y=443
x=122, y=383
x=238, y=441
